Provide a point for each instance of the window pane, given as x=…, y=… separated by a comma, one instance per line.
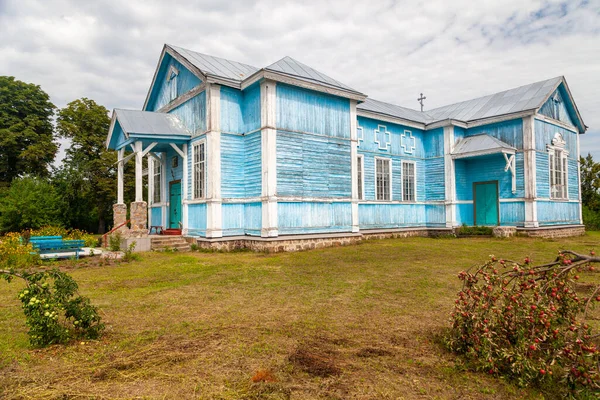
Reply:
x=199, y=171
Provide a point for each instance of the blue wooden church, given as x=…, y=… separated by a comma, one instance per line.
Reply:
x=239, y=152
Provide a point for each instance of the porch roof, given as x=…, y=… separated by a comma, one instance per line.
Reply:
x=479, y=145
x=133, y=124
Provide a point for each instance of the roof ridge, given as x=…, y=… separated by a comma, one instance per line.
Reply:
x=209, y=55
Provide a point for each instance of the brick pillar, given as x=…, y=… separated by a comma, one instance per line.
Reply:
x=139, y=217
x=120, y=216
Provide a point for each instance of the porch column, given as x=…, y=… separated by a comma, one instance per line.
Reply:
x=354, y=165
x=214, y=216
x=529, y=173
x=120, y=208
x=450, y=177
x=268, y=138
x=139, y=208
x=163, y=189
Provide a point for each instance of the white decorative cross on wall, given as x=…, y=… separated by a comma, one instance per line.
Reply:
x=382, y=137
x=408, y=143
x=360, y=135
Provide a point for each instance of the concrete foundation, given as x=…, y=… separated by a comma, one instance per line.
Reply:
x=141, y=243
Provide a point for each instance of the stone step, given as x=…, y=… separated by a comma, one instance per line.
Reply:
x=170, y=242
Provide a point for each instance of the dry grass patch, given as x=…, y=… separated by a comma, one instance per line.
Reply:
x=359, y=322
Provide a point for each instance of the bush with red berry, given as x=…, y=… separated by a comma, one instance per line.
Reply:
x=529, y=323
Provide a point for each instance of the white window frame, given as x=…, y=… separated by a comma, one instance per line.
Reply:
x=414, y=182
x=361, y=173
x=389, y=161
x=156, y=165
x=558, y=177
x=195, y=164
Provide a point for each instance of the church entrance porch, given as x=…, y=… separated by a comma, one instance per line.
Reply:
x=486, y=208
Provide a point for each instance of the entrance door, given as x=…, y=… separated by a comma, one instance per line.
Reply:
x=174, y=204
x=485, y=200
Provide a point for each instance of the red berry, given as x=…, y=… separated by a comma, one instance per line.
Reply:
x=543, y=371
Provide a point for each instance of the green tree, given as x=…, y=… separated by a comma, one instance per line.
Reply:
x=30, y=203
x=26, y=141
x=88, y=177
x=590, y=183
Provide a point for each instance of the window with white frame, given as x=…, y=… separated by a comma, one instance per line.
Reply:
x=199, y=169
x=156, y=181
x=558, y=168
x=360, y=177
x=383, y=179
x=409, y=186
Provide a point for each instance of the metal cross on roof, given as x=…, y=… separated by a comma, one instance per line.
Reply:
x=420, y=100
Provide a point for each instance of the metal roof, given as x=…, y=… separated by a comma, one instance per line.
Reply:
x=150, y=123
x=392, y=110
x=289, y=66
x=523, y=98
x=479, y=145
x=216, y=66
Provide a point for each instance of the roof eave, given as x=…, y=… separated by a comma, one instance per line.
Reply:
x=390, y=118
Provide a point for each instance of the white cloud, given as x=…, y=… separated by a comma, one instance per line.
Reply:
x=391, y=50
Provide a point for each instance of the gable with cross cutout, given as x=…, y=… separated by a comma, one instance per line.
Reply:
x=382, y=137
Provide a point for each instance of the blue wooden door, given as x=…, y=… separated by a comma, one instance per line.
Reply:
x=174, y=205
x=486, y=203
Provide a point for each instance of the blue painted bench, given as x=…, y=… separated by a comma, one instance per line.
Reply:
x=56, y=244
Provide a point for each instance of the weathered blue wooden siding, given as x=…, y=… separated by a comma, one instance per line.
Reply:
x=435, y=184
x=313, y=166
x=161, y=93
x=118, y=138
x=549, y=108
x=435, y=215
x=488, y=168
x=542, y=179
x=253, y=164
x=233, y=181
x=396, y=139
x=433, y=142
x=557, y=212
x=156, y=216
x=512, y=213
x=302, y=217
x=544, y=133
x=197, y=219
x=233, y=219
x=510, y=132
x=253, y=218
x=386, y=216
x=573, y=179
x=173, y=174
x=251, y=108
x=301, y=110
x=464, y=214
x=192, y=113
x=231, y=110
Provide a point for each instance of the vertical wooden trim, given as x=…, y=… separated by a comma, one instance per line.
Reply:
x=184, y=191
x=120, y=174
x=214, y=217
x=578, y=179
x=268, y=115
x=530, y=172
x=163, y=189
x=150, y=180
x=354, y=165
x=139, y=196
x=449, y=177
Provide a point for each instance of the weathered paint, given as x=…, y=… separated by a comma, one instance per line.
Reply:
x=512, y=213
x=307, y=217
x=399, y=135
x=233, y=181
x=510, y=132
x=231, y=110
x=302, y=110
x=435, y=215
x=434, y=174
x=155, y=216
x=197, y=219
x=313, y=166
x=161, y=94
x=379, y=216
x=252, y=164
x=192, y=113
x=251, y=108
x=544, y=133
x=558, y=212
x=465, y=213
x=488, y=168
x=550, y=107
x=233, y=219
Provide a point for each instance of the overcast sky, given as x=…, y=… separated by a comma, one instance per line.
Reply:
x=107, y=50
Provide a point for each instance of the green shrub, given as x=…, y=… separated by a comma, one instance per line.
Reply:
x=529, y=323
x=591, y=218
x=53, y=311
x=114, y=241
x=465, y=230
x=15, y=253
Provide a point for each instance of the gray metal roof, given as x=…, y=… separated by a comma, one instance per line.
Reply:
x=216, y=66
x=289, y=66
x=523, y=98
x=478, y=145
x=392, y=110
x=150, y=123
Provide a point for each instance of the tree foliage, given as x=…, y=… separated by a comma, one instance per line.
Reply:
x=30, y=203
x=590, y=191
x=88, y=177
x=26, y=133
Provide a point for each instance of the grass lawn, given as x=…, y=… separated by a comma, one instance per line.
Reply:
x=359, y=322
